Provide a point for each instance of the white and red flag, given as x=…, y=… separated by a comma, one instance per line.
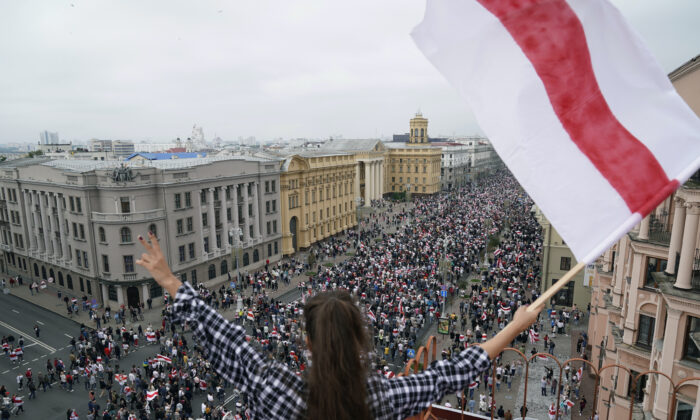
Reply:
x=151, y=395
x=371, y=316
x=164, y=359
x=534, y=336
x=573, y=103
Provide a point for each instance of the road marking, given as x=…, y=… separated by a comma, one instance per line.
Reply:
x=29, y=337
x=69, y=336
x=30, y=345
x=34, y=360
x=6, y=371
x=15, y=311
x=25, y=363
x=40, y=323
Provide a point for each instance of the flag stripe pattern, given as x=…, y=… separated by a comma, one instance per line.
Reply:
x=554, y=34
x=573, y=103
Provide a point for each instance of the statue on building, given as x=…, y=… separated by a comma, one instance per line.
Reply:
x=122, y=174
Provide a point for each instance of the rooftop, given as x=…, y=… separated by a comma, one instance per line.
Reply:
x=350, y=145
x=81, y=166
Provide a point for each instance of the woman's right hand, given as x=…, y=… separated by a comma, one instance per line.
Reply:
x=153, y=260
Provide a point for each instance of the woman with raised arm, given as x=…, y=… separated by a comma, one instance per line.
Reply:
x=339, y=383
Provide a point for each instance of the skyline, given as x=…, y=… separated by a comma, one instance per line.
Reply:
x=148, y=72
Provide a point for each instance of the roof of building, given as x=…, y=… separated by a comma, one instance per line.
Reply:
x=685, y=68
x=81, y=166
x=350, y=145
x=22, y=162
x=166, y=156
x=397, y=145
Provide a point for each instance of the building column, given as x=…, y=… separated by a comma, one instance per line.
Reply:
x=120, y=297
x=690, y=232
x=145, y=294
x=36, y=216
x=64, y=232
x=105, y=295
x=381, y=179
x=45, y=223
x=246, y=220
x=256, y=212
x=224, y=219
x=663, y=386
x=201, y=220
x=30, y=223
x=357, y=181
x=676, y=235
x=54, y=239
x=367, y=184
x=234, y=216
x=375, y=180
x=644, y=228
x=212, y=220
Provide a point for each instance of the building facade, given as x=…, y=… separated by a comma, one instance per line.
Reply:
x=455, y=165
x=317, y=193
x=77, y=222
x=557, y=260
x=645, y=303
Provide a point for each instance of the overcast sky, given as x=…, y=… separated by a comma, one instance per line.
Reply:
x=149, y=70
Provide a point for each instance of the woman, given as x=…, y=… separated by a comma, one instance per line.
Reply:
x=339, y=383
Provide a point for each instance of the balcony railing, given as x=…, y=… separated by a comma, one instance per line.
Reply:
x=129, y=276
x=426, y=355
x=144, y=216
x=659, y=228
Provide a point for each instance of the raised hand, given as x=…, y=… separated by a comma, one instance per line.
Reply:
x=153, y=260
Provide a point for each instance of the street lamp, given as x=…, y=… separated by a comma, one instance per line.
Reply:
x=235, y=233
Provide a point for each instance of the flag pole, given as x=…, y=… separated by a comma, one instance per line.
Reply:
x=542, y=300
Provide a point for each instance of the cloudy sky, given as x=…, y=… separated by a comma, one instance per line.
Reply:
x=148, y=70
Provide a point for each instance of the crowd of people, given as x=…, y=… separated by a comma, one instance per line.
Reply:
x=405, y=264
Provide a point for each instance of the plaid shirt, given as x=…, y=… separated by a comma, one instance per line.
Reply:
x=277, y=392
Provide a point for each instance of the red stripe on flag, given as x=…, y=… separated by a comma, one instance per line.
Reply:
x=552, y=37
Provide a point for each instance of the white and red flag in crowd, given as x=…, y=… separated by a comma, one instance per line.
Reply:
x=534, y=336
x=151, y=395
x=473, y=385
x=371, y=316
x=574, y=104
x=165, y=359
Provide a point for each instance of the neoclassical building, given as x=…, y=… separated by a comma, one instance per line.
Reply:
x=317, y=192
x=77, y=222
x=370, y=155
x=645, y=303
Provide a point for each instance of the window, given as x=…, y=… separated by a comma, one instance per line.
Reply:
x=639, y=386
x=269, y=250
x=69, y=281
x=267, y=186
x=274, y=206
x=190, y=248
x=193, y=274
x=183, y=277
x=250, y=231
x=101, y=232
x=125, y=204
x=82, y=231
x=224, y=267
x=654, y=265
x=181, y=253
x=684, y=411
x=89, y=286
x=267, y=207
x=212, y=271
x=188, y=199
x=128, y=263
x=178, y=201
x=112, y=292
x=105, y=263
x=79, y=258
x=82, y=284
x=273, y=186
x=228, y=214
x=190, y=224
x=645, y=332
x=206, y=244
x=565, y=296
x=153, y=229
x=218, y=240
x=205, y=220
x=72, y=203
x=268, y=225
x=256, y=255
x=78, y=206
x=565, y=263
x=246, y=259
x=85, y=260
x=691, y=349
x=156, y=290
x=125, y=233
x=180, y=228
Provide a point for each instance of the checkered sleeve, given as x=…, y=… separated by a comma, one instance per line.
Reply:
x=272, y=386
x=412, y=394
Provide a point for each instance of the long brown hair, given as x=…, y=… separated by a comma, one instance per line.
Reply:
x=337, y=377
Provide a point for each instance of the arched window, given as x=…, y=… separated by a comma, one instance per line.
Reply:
x=51, y=273
x=153, y=229
x=60, y=278
x=212, y=271
x=422, y=132
x=69, y=282
x=246, y=259
x=126, y=234
x=256, y=256
x=43, y=272
x=103, y=237
x=36, y=270
x=224, y=267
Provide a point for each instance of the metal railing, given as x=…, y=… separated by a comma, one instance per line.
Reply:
x=427, y=354
x=144, y=216
x=659, y=229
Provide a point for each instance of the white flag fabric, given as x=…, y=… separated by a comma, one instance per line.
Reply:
x=573, y=103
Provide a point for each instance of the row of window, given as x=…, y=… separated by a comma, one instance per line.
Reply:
x=270, y=186
x=400, y=188
x=328, y=213
x=272, y=249
x=408, y=179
